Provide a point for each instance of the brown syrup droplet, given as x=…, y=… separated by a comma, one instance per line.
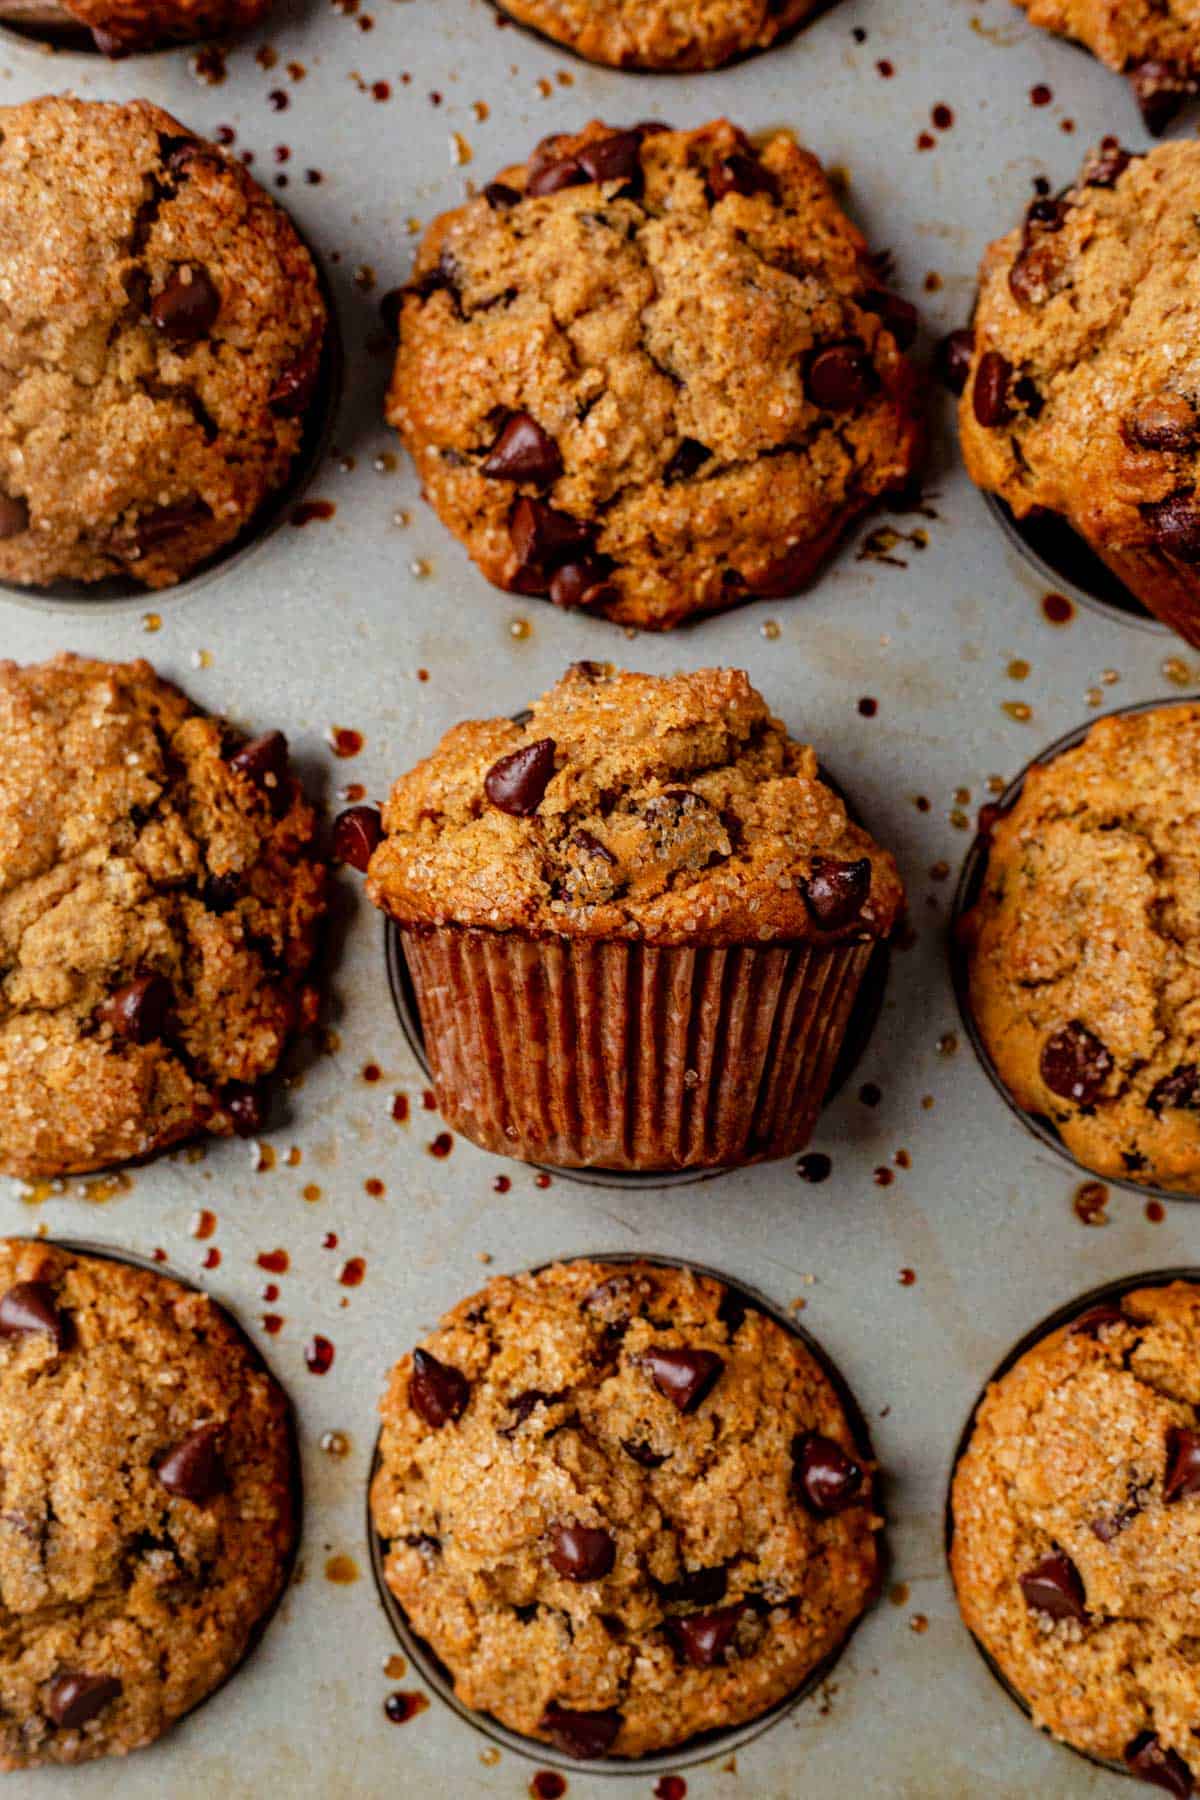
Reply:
x=212, y=1258
x=272, y=1324
x=318, y=1355
x=400, y=1109
x=907, y=1277
x=395, y=1667
x=1057, y=609
x=671, y=1787
x=400, y=1708
x=501, y=1185
x=918, y=1624
x=1091, y=1198
x=311, y=1192
x=814, y=1166
x=868, y=707
x=203, y=1223
x=308, y=510
x=547, y=1784
x=269, y=1292
x=884, y=1176
x=275, y=1262
x=373, y=1186
x=336, y=1443
x=898, y=1593
x=329, y=1241
x=371, y=1072
x=542, y=1180
x=1156, y=1212
x=442, y=1145
x=352, y=1271
x=344, y=741
x=1040, y=95
x=341, y=1569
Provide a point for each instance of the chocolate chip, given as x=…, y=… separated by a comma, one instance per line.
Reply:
x=952, y=359
x=1162, y=422
x=29, y=1307
x=581, y=1552
x=825, y=1478
x=688, y=458
x=1106, y=165
x=195, y=1469
x=1054, y=1587
x=159, y=524
x=1093, y=1321
x=518, y=781
x=500, y=197
x=1180, y=1088
x=1075, y=1064
x=356, y=833
x=246, y=1106
x=436, y=1390
x=1159, y=91
x=841, y=377
x=552, y=177
x=1151, y=1761
x=441, y=279
x=740, y=173
x=581, y=1734
x=75, y=1698
x=836, y=892
x=523, y=1405
x=697, y=1587
x=685, y=1377
x=581, y=584
x=643, y=1455
x=523, y=452
x=732, y=1311
x=590, y=846
x=543, y=538
x=989, y=397
x=899, y=316
x=703, y=1638
x=1182, y=1475
x=1175, y=522
x=14, y=515
x=186, y=308
x=292, y=394
x=616, y=158
x=264, y=760
x=139, y=1011
x=1036, y=269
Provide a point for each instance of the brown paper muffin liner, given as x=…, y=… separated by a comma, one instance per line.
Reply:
x=1165, y=585
x=628, y=1056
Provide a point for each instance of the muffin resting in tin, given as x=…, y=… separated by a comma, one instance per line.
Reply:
x=1076, y=1532
x=653, y=373
x=1084, y=947
x=148, y=1518
x=620, y=1507
x=1084, y=387
x=160, y=344
x=661, y=34
x=1156, y=43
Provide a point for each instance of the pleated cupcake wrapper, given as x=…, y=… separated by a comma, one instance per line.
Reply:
x=626, y=1056
x=1167, y=586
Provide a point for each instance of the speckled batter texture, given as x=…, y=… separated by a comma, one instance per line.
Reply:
x=564, y=1425
x=1084, y=385
x=160, y=339
x=134, y=850
x=1084, y=947
x=678, y=811
x=1156, y=43
x=108, y=1571
x=661, y=34
x=702, y=345
x=1082, y=1453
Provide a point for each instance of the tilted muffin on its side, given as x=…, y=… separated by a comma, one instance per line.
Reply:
x=1156, y=43
x=1076, y=1532
x=160, y=343
x=1083, y=397
x=122, y=27
x=1084, y=947
x=653, y=373
x=148, y=1518
x=636, y=922
x=159, y=904
x=622, y=1506
x=661, y=34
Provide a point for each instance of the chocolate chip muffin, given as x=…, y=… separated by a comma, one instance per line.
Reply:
x=1156, y=43
x=148, y=1516
x=1084, y=947
x=622, y=1506
x=636, y=921
x=661, y=34
x=653, y=373
x=1084, y=385
x=160, y=343
x=121, y=27
x=1076, y=1521
x=159, y=904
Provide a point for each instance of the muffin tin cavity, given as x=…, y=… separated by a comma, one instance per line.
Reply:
x=1065, y=563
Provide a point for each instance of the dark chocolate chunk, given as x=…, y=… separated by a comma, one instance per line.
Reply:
x=703, y=1638
x=685, y=1377
x=1182, y=1475
x=543, y=538
x=581, y=1734
x=14, y=515
x=159, y=524
x=28, y=1307
x=581, y=1552
x=436, y=1390
x=195, y=1469
x=1164, y=422
x=952, y=359
x=139, y=1011
x=523, y=452
x=740, y=172
x=500, y=197
x=292, y=394
x=582, y=584
x=1175, y=523
x=616, y=158
x=552, y=177
x=264, y=760
x=1151, y=1761
x=517, y=782
x=1075, y=1065
x=74, y=1698
x=836, y=892
x=246, y=1106
x=826, y=1478
x=186, y=309
x=1180, y=1088
x=841, y=377
x=989, y=396
x=1054, y=1587
x=356, y=835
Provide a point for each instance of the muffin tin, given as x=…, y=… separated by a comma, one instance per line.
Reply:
x=917, y=1270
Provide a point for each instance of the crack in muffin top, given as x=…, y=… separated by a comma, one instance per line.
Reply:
x=623, y=1505
x=653, y=373
x=159, y=903
x=672, y=809
x=661, y=34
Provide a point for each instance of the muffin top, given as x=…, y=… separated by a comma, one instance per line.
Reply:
x=673, y=809
x=159, y=901
x=1155, y=42
x=1085, y=380
x=1084, y=947
x=1076, y=1549
x=653, y=373
x=622, y=1505
x=136, y=1555
x=160, y=336
x=661, y=34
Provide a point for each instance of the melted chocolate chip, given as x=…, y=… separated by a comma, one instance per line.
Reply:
x=1151, y=1761
x=688, y=458
x=73, y=1699
x=1106, y=165
x=500, y=197
x=581, y=1552
x=1054, y=1587
x=581, y=584
x=441, y=279
x=841, y=377
x=159, y=524
x=552, y=177
x=523, y=1405
x=436, y=1390
x=1075, y=1065
x=1159, y=92
x=523, y=452
x=952, y=359
x=826, y=1479
x=186, y=309
x=989, y=396
x=703, y=1638
x=138, y=1012
x=581, y=1734
x=195, y=1468
x=836, y=892
x=264, y=760
x=292, y=394
x=14, y=515
x=28, y=1307
x=543, y=538
x=1165, y=422
x=517, y=782
x=740, y=173
x=685, y=1377
x=356, y=835
x=1180, y=1088
x=696, y=1587
x=1182, y=1475
x=642, y=1454
x=616, y=158
x=246, y=1106
x=591, y=846
x=1175, y=523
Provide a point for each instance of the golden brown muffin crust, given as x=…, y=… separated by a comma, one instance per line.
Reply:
x=706, y=1588
x=139, y=845
x=659, y=389
x=136, y=1557
x=673, y=809
x=122, y=27
x=661, y=34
